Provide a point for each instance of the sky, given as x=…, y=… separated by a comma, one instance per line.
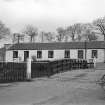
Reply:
x=47, y=15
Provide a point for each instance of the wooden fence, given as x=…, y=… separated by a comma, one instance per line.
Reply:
x=68, y=64
x=10, y=71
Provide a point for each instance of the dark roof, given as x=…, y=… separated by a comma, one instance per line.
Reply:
x=58, y=45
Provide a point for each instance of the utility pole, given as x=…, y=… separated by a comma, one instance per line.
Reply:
x=17, y=37
x=42, y=37
x=85, y=49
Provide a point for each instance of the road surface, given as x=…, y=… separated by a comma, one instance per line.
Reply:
x=76, y=87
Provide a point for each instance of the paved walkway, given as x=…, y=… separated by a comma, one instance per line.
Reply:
x=70, y=88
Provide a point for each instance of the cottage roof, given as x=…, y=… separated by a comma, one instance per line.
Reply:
x=58, y=45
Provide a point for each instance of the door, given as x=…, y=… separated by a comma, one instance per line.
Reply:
x=80, y=54
x=26, y=55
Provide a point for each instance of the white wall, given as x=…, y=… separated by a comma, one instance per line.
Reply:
x=58, y=54
x=21, y=55
x=100, y=55
x=32, y=53
x=44, y=55
x=73, y=54
x=89, y=53
x=9, y=56
x=100, y=52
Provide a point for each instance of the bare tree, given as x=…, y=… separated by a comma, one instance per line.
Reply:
x=71, y=31
x=88, y=32
x=31, y=31
x=42, y=36
x=100, y=25
x=90, y=36
x=49, y=36
x=79, y=31
x=4, y=31
x=61, y=34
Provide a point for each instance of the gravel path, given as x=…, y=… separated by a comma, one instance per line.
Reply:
x=70, y=88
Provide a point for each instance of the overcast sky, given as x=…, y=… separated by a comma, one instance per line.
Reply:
x=49, y=14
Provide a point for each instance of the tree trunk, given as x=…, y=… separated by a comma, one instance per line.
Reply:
x=31, y=39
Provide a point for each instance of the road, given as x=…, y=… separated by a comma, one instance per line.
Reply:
x=76, y=87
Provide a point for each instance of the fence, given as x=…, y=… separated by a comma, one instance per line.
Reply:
x=40, y=69
x=10, y=71
x=68, y=64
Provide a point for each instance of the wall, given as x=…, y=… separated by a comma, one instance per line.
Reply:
x=9, y=56
x=73, y=54
x=21, y=55
x=100, y=57
x=58, y=54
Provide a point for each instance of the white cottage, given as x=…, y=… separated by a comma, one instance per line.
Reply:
x=59, y=50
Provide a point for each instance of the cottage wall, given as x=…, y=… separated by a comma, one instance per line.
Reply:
x=32, y=53
x=44, y=55
x=58, y=54
x=21, y=55
x=88, y=55
x=100, y=54
x=73, y=54
x=9, y=56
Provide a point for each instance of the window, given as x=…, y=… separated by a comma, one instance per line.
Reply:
x=15, y=54
x=80, y=54
x=67, y=54
x=94, y=53
x=39, y=54
x=50, y=54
